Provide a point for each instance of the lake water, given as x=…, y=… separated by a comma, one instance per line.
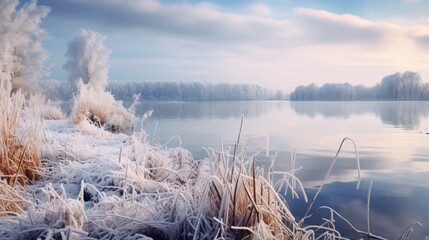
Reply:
x=392, y=140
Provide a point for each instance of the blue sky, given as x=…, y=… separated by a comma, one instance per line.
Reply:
x=278, y=44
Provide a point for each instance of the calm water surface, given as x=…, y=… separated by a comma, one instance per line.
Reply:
x=392, y=140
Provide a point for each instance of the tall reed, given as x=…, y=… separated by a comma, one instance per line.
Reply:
x=19, y=147
x=10, y=200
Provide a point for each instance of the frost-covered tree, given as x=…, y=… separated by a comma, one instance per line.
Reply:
x=402, y=86
x=399, y=86
x=21, y=54
x=87, y=60
x=186, y=91
x=93, y=105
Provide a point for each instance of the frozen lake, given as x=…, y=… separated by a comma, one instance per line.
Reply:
x=392, y=139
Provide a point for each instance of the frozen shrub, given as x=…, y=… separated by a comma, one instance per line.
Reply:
x=87, y=67
x=101, y=110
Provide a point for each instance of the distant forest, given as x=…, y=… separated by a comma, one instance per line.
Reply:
x=398, y=86
x=192, y=91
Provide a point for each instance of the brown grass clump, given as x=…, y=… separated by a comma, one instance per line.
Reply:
x=19, y=156
x=101, y=110
x=53, y=113
x=48, y=109
x=10, y=200
x=247, y=206
x=236, y=201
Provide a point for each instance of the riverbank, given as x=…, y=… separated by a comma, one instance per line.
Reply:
x=95, y=184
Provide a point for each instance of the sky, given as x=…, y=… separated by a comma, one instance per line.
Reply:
x=278, y=44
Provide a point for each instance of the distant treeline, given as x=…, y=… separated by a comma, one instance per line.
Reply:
x=192, y=91
x=398, y=86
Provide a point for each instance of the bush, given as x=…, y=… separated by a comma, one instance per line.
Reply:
x=102, y=110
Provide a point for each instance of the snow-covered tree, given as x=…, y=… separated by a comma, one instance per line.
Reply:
x=399, y=86
x=21, y=54
x=87, y=60
x=402, y=86
x=88, y=71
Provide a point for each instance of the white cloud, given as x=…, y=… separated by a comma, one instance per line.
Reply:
x=308, y=46
x=260, y=10
x=206, y=22
x=326, y=27
x=202, y=21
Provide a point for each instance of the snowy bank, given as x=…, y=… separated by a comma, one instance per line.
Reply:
x=114, y=186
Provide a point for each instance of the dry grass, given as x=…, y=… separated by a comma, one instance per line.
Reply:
x=50, y=110
x=236, y=201
x=39, y=107
x=249, y=207
x=53, y=113
x=20, y=158
x=19, y=148
x=101, y=110
x=10, y=200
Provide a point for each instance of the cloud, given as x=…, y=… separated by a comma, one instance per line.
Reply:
x=200, y=21
x=260, y=10
x=328, y=27
x=423, y=40
x=206, y=22
x=253, y=45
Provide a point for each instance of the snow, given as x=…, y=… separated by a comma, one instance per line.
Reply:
x=102, y=180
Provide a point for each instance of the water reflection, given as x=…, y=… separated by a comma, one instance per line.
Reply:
x=210, y=109
x=404, y=114
x=396, y=159
x=393, y=208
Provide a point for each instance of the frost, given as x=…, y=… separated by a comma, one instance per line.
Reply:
x=21, y=54
x=87, y=60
